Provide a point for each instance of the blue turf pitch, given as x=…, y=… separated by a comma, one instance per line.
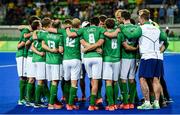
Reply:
x=9, y=90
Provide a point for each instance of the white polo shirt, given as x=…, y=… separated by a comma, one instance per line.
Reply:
x=149, y=42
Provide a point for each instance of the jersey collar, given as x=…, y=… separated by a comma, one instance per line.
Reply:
x=147, y=22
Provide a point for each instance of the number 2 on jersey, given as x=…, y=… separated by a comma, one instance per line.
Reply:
x=70, y=42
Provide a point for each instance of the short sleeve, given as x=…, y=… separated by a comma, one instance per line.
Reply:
x=61, y=31
x=102, y=30
x=163, y=37
x=121, y=37
x=80, y=32
x=25, y=31
x=61, y=41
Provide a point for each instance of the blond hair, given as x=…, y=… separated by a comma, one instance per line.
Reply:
x=144, y=11
x=118, y=12
x=76, y=22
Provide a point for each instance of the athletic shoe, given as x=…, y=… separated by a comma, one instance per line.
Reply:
x=131, y=106
x=145, y=105
x=169, y=101
x=116, y=106
x=92, y=108
x=22, y=102
x=155, y=105
x=50, y=106
x=124, y=106
x=55, y=106
x=39, y=106
x=72, y=107
x=99, y=101
x=28, y=104
x=110, y=108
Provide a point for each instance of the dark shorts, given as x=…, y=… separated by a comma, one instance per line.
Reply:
x=151, y=68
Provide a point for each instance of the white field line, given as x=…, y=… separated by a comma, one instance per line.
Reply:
x=3, y=66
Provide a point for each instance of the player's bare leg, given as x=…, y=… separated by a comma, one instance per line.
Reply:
x=157, y=90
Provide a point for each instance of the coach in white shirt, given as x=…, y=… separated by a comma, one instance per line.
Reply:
x=150, y=64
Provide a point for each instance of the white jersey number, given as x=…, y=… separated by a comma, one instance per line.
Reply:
x=70, y=42
x=91, y=39
x=114, y=44
x=51, y=44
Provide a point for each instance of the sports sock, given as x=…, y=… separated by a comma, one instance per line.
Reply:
x=92, y=99
x=116, y=91
x=72, y=95
x=99, y=89
x=132, y=92
x=29, y=92
x=53, y=94
x=22, y=89
x=109, y=93
x=46, y=91
x=125, y=93
x=67, y=86
x=120, y=86
x=39, y=90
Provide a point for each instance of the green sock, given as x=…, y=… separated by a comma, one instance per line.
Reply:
x=72, y=95
x=39, y=90
x=53, y=94
x=22, y=89
x=29, y=91
x=109, y=93
x=120, y=86
x=132, y=92
x=99, y=88
x=116, y=92
x=92, y=99
x=46, y=91
x=25, y=89
x=152, y=98
x=67, y=86
x=124, y=93
x=33, y=93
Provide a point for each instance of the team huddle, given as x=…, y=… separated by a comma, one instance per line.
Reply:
x=105, y=48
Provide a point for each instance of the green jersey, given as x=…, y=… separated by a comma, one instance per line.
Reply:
x=22, y=52
x=30, y=52
x=112, y=48
x=132, y=34
x=163, y=38
x=91, y=35
x=52, y=41
x=38, y=45
x=71, y=46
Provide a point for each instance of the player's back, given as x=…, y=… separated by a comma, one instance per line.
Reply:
x=92, y=34
x=149, y=41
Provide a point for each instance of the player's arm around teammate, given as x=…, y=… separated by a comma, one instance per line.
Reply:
x=36, y=25
x=53, y=63
x=21, y=61
x=71, y=64
x=111, y=64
